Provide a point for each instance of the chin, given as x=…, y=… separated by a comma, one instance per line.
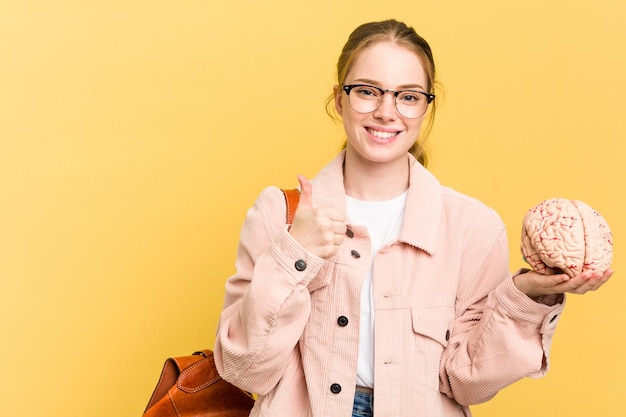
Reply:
x=380, y=156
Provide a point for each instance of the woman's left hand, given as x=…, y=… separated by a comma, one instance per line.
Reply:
x=535, y=285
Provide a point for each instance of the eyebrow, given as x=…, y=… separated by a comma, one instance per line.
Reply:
x=400, y=87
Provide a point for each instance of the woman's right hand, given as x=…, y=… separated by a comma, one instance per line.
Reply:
x=319, y=230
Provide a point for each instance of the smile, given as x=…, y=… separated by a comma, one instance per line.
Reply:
x=380, y=134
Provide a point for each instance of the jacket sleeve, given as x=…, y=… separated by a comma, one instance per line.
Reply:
x=267, y=302
x=500, y=335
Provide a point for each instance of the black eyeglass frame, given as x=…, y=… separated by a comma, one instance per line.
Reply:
x=348, y=88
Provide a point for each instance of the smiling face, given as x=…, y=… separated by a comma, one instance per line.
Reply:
x=383, y=136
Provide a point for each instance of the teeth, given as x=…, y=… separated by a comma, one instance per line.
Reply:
x=382, y=135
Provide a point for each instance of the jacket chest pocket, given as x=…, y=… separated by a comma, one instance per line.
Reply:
x=434, y=323
x=432, y=329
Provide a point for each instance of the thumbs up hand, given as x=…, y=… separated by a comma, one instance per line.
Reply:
x=320, y=230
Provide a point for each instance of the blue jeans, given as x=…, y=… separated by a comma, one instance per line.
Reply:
x=363, y=404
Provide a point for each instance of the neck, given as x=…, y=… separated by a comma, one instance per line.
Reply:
x=372, y=181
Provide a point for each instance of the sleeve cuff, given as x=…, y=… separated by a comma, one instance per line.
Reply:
x=520, y=306
x=302, y=265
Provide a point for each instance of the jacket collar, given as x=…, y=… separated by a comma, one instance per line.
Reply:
x=422, y=215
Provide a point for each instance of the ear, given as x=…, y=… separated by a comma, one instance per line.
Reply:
x=338, y=102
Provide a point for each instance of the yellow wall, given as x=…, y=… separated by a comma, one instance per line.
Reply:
x=134, y=136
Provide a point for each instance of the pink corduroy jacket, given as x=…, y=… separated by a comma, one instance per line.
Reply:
x=451, y=329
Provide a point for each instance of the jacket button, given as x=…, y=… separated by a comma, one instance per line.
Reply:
x=447, y=335
x=300, y=265
x=355, y=254
x=335, y=388
x=349, y=233
x=342, y=321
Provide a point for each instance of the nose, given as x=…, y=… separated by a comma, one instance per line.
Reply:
x=387, y=108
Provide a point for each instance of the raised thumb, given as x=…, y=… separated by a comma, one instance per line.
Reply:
x=306, y=192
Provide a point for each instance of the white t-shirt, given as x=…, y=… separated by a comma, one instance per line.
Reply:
x=383, y=220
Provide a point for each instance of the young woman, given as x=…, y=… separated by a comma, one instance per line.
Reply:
x=389, y=293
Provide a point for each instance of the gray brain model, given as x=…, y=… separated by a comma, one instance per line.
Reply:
x=560, y=235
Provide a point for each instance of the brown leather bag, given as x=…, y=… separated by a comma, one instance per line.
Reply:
x=190, y=386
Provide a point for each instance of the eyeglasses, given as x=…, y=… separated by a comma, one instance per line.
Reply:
x=367, y=98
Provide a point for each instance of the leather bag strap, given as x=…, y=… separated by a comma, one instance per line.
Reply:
x=292, y=198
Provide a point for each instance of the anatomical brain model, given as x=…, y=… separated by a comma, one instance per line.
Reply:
x=568, y=236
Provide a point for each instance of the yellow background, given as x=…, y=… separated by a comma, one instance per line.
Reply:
x=134, y=135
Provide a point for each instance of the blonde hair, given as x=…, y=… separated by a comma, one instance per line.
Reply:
x=399, y=33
